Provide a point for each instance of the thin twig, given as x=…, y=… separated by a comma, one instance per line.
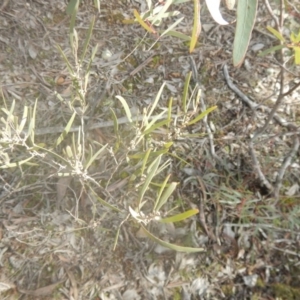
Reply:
x=253, y=105
x=272, y=114
x=60, y=129
x=269, y=8
x=256, y=166
x=141, y=66
x=202, y=203
x=285, y=164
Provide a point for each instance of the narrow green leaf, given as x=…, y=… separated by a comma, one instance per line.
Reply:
x=151, y=173
x=10, y=114
x=72, y=6
x=145, y=160
x=298, y=37
x=172, y=26
x=185, y=91
x=165, y=164
x=73, y=36
x=297, y=55
x=159, y=152
x=196, y=27
x=87, y=38
x=246, y=14
x=24, y=119
x=270, y=50
x=276, y=33
x=69, y=152
x=31, y=126
x=158, y=96
x=202, y=115
x=155, y=126
x=95, y=49
x=115, y=120
x=97, y=5
x=15, y=164
x=116, y=238
x=158, y=17
x=126, y=108
x=70, y=69
x=155, y=118
x=165, y=196
x=171, y=246
x=150, y=17
x=169, y=118
x=163, y=185
x=36, y=147
x=66, y=130
x=168, y=145
x=180, y=217
x=142, y=22
x=180, y=1
x=103, y=202
x=88, y=164
x=178, y=35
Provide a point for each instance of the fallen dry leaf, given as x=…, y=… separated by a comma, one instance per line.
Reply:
x=44, y=291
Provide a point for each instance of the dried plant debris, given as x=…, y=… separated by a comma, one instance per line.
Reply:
x=117, y=146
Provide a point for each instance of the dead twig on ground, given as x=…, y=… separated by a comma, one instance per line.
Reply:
x=246, y=100
x=285, y=164
x=60, y=129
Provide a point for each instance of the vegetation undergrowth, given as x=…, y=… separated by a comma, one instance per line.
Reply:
x=164, y=181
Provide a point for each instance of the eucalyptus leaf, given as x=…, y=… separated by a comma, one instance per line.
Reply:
x=276, y=33
x=246, y=14
x=152, y=171
x=126, y=108
x=185, y=91
x=166, y=195
x=158, y=96
x=155, y=208
x=202, y=115
x=66, y=130
x=96, y=155
x=196, y=27
x=180, y=217
x=87, y=38
x=142, y=22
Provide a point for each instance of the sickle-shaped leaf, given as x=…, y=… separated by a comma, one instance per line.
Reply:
x=213, y=7
x=276, y=33
x=197, y=25
x=246, y=13
x=142, y=22
x=180, y=217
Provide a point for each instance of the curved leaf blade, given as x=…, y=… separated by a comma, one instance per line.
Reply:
x=197, y=25
x=213, y=7
x=276, y=33
x=202, y=115
x=246, y=14
x=142, y=22
x=180, y=217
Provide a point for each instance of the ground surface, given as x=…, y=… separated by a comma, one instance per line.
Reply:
x=57, y=236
